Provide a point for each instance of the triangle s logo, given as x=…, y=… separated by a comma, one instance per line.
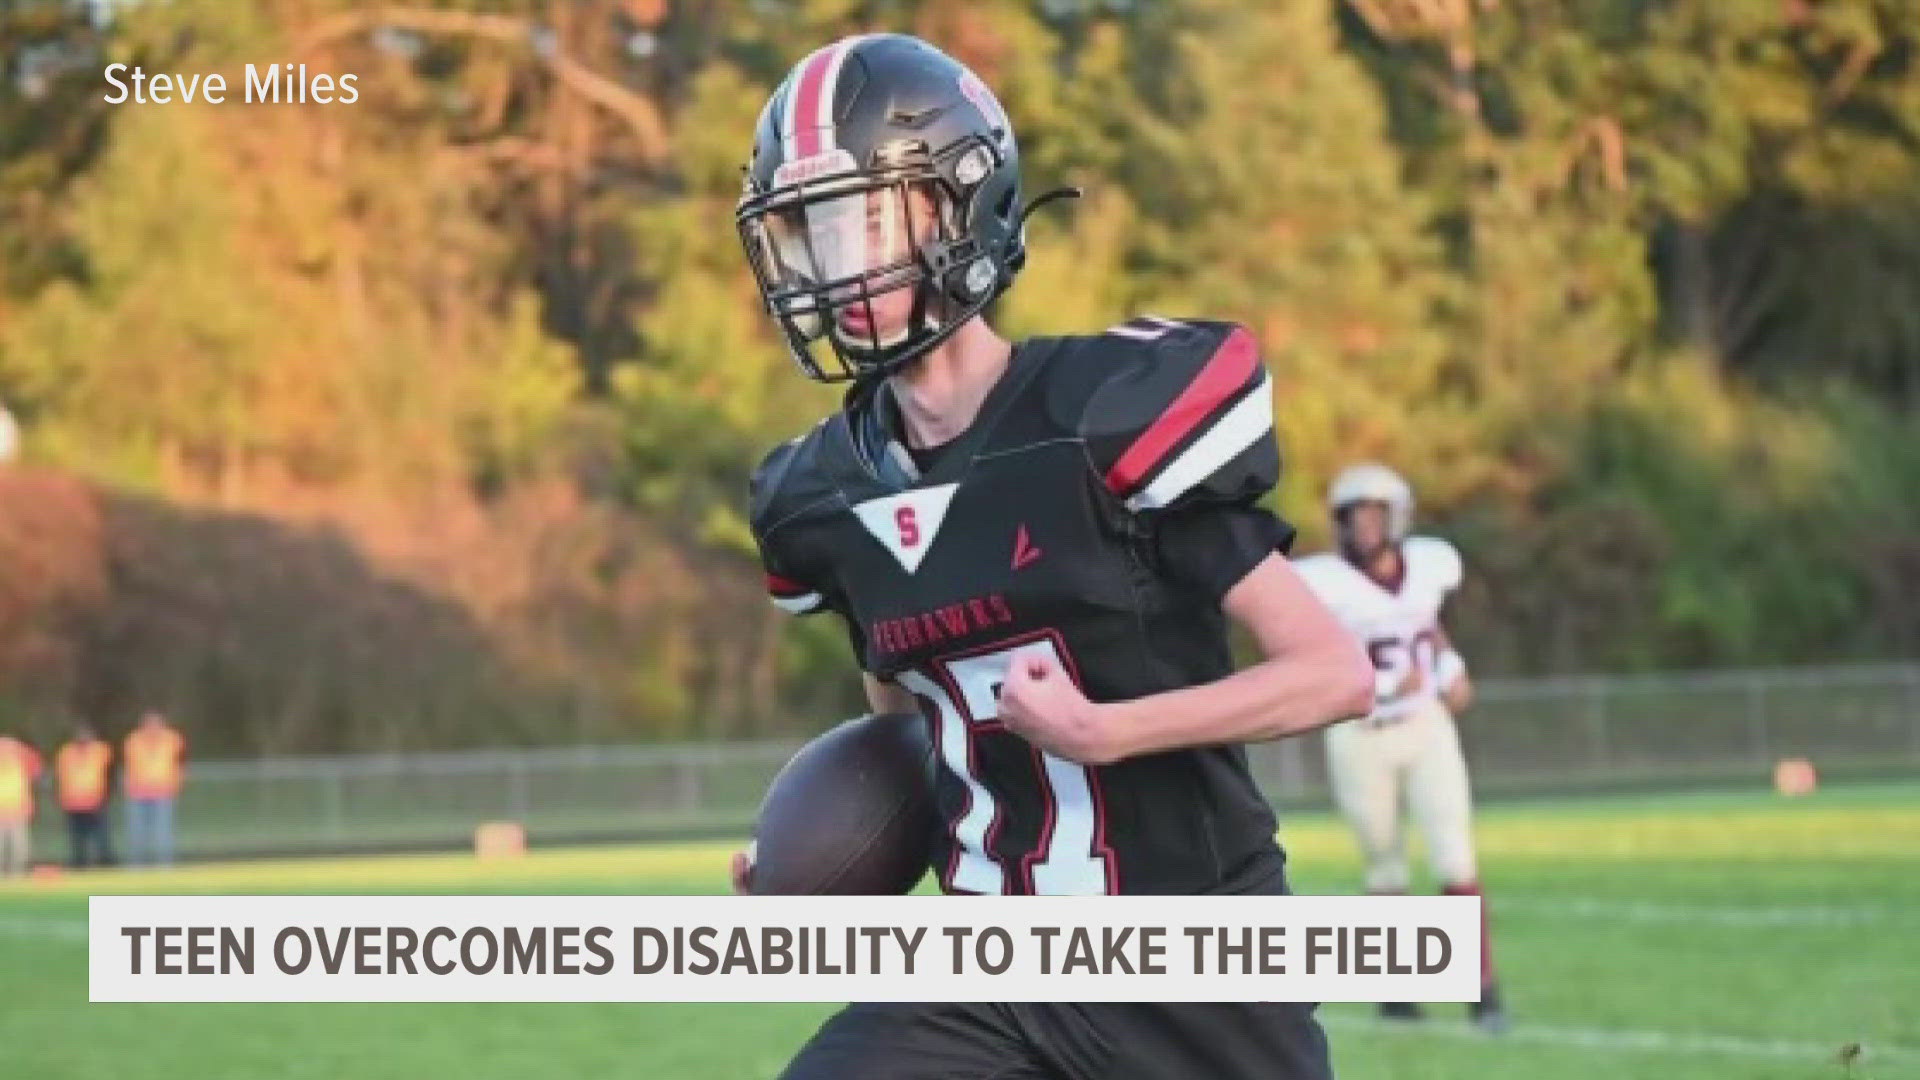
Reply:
x=906, y=523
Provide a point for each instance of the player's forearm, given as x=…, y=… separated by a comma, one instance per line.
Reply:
x=1456, y=688
x=884, y=696
x=1286, y=695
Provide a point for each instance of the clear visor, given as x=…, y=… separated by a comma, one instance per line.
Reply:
x=843, y=239
x=841, y=263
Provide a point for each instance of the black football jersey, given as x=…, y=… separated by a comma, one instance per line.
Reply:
x=1098, y=508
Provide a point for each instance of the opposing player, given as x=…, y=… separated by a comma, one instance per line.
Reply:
x=1387, y=588
x=1037, y=546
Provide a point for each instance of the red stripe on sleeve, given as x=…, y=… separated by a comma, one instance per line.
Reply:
x=780, y=586
x=1225, y=372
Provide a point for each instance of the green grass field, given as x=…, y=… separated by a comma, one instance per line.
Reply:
x=1698, y=937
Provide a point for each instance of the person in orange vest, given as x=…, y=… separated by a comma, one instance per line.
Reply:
x=155, y=768
x=19, y=768
x=81, y=772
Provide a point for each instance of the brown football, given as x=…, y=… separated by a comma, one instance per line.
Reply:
x=852, y=814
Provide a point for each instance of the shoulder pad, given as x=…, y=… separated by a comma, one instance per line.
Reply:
x=1434, y=559
x=787, y=483
x=1173, y=409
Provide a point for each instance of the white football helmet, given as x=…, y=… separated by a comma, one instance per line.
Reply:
x=1371, y=482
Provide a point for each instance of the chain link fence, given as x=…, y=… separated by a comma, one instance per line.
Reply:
x=1599, y=733
x=1522, y=736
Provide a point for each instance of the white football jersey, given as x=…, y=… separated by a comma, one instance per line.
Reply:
x=1399, y=627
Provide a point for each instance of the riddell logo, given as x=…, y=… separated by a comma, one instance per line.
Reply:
x=1024, y=550
x=831, y=163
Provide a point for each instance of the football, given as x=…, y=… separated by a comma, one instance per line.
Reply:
x=852, y=814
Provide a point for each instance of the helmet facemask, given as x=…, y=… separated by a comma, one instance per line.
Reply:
x=865, y=269
x=1364, y=528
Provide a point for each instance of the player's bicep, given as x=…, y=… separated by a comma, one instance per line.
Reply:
x=1210, y=548
x=1286, y=617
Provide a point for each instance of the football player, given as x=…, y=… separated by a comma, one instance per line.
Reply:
x=1387, y=588
x=1037, y=546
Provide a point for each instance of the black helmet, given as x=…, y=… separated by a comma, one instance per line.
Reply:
x=883, y=171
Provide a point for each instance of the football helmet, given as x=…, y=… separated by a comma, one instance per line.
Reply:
x=881, y=207
x=1372, y=482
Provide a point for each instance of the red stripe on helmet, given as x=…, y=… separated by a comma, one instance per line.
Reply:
x=806, y=106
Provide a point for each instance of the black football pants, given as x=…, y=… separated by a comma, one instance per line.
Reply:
x=1099, y=1041
x=1093, y=1041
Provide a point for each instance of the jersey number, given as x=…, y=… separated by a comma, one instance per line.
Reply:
x=1071, y=857
x=1399, y=654
x=909, y=528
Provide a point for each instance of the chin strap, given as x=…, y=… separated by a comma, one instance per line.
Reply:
x=1042, y=200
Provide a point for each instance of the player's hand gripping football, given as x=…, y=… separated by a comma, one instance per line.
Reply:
x=1040, y=702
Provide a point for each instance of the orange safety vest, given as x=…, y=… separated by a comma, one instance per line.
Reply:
x=19, y=765
x=82, y=772
x=153, y=763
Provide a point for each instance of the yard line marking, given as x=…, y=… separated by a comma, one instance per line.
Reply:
x=1620, y=1040
x=1818, y=915
x=1822, y=915
x=61, y=929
